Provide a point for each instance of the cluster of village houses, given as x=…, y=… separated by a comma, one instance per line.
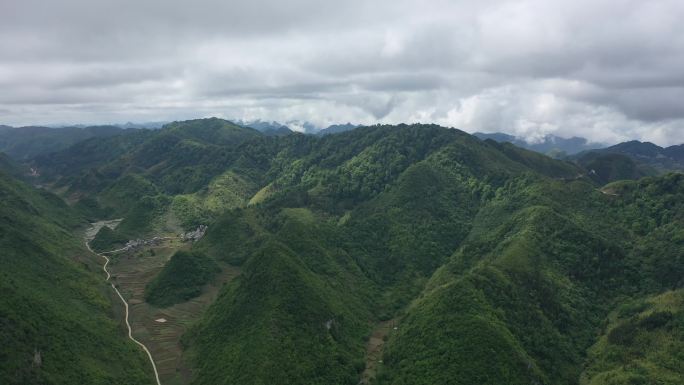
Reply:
x=194, y=235
x=190, y=236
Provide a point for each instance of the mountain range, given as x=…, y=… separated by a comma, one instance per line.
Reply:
x=386, y=254
x=31, y=141
x=660, y=158
x=275, y=128
x=24, y=143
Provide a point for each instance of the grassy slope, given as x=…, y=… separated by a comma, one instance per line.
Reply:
x=52, y=305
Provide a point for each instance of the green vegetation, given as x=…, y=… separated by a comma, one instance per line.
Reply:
x=107, y=239
x=284, y=319
x=389, y=244
x=10, y=167
x=212, y=130
x=225, y=192
x=182, y=279
x=125, y=192
x=548, y=275
x=502, y=266
x=648, y=156
x=643, y=343
x=144, y=216
x=56, y=324
x=606, y=168
x=78, y=165
x=28, y=142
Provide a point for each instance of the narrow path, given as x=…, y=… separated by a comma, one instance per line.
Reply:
x=374, y=349
x=128, y=325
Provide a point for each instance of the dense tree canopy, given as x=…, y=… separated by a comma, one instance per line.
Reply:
x=499, y=265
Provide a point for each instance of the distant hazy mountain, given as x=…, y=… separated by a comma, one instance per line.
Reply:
x=27, y=142
x=552, y=145
x=661, y=159
x=337, y=128
x=279, y=129
x=271, y=128
x=148, y=125
x=648, y=150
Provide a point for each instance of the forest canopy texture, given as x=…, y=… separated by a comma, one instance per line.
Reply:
x=498, y=265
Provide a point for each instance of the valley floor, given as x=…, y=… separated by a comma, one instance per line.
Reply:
x=93, y=230
x=158, y=329
x=374, y=348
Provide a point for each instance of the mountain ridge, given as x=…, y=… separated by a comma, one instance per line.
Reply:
x=497, y=264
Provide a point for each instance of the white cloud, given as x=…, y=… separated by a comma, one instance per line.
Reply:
x=609, y=70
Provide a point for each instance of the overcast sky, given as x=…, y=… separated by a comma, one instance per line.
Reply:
x=608, y=70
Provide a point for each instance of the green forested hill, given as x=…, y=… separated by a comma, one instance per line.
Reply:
x=10, y=167
x=182, y=279
x=625, y=158
x=56, y=323
x=24, y=143
x=499, y=265
x=642, y=342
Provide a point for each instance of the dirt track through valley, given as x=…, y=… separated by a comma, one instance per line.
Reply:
x=128, y=325
x=374, y=349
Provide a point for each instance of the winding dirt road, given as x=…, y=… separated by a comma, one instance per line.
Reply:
x=130, y=332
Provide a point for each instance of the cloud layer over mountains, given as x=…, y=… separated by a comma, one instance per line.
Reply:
x=608, y=70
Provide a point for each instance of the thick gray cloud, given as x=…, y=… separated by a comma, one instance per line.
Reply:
x=609, y=70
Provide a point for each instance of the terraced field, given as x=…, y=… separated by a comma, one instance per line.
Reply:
x=161, y=329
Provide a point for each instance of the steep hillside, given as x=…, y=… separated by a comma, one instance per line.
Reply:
x=182, y=279
x=56, y=316
x=385, y=239
x=611, y=167
x=641, y=343
x=112, y=176
x=498, y=264
x=77, y=165
x=10, y=167
x=523, y=298
x=285, y=320
x=23, y=143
